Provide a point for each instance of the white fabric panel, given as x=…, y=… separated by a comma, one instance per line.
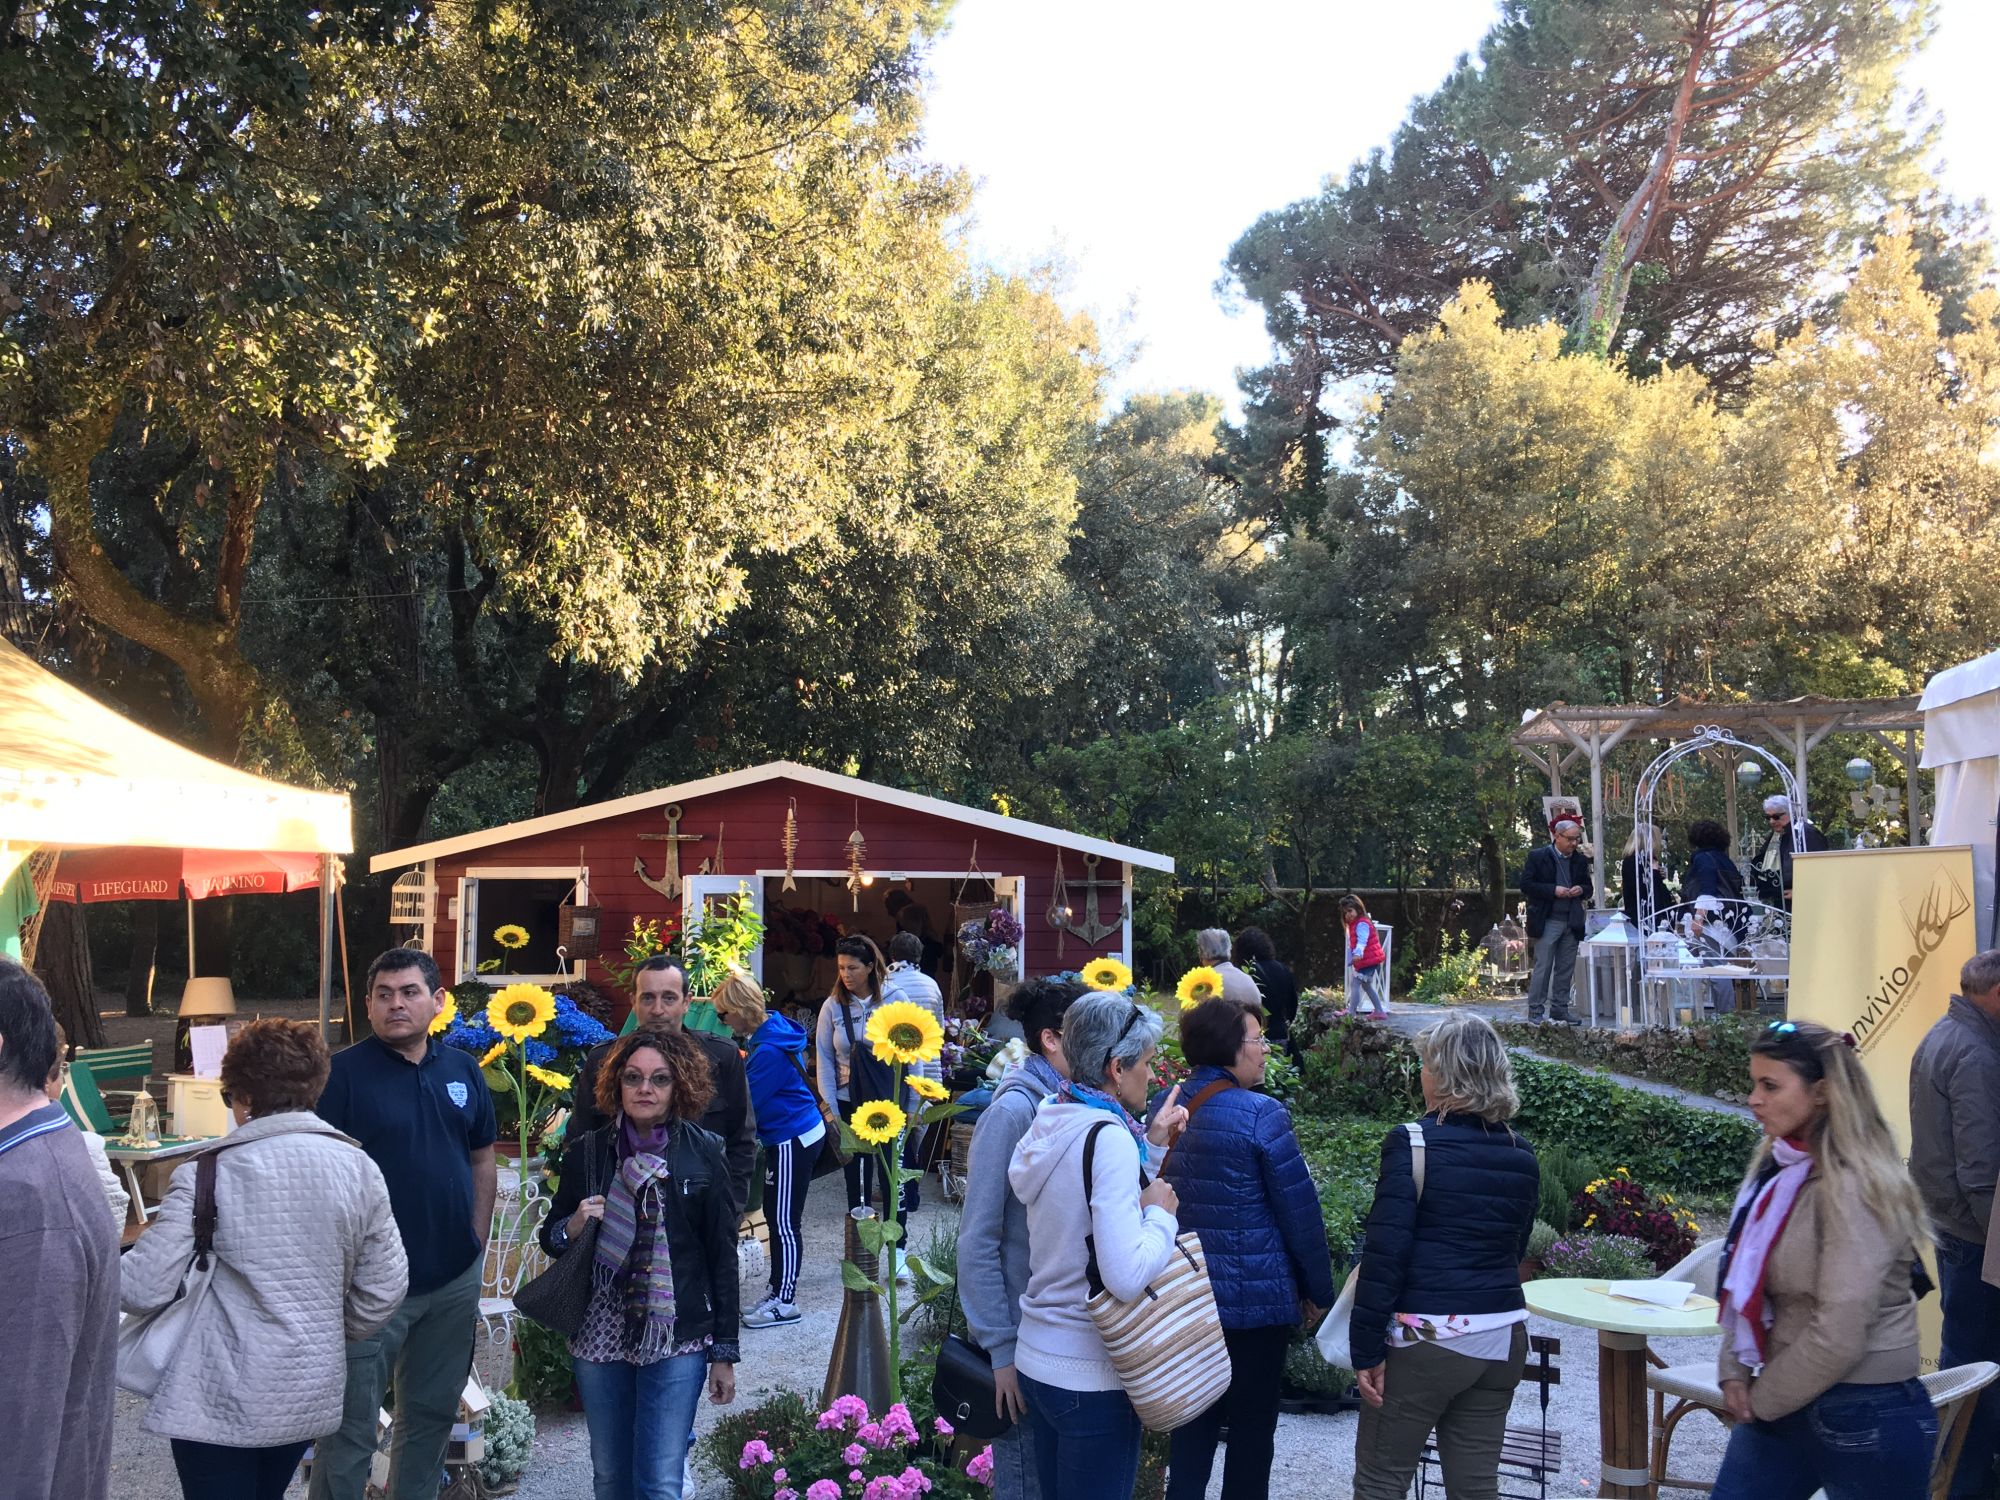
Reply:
x=1968, y=805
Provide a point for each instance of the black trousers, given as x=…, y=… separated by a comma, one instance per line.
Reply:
x=209, y=1471
x=788, y=1172
x=1249, y=1408
x=865, y=1185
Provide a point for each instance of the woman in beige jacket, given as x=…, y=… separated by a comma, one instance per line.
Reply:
x=307, y=1258
x=1819, y=1320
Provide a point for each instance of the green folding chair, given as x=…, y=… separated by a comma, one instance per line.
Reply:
x=106, y=1064
x=86, y=1105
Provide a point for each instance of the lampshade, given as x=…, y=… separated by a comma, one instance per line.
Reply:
x=208, y=997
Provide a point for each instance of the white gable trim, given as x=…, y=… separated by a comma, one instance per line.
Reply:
x=850, y=786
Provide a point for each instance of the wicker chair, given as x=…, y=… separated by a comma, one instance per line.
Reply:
x=1691, y=1387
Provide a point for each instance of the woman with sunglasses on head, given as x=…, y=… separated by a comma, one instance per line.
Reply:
x=1819, y=1318
x=1085, y=1432
x=662, y=1317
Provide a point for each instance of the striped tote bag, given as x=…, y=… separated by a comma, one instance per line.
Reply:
x=1166, y=1344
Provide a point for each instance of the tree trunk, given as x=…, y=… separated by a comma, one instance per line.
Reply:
x=62, y=961
x=1496, y=874
x=145, y=955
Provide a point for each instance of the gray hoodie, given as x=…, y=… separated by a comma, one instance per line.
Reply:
x=992, y=1224
x=1056, y=1342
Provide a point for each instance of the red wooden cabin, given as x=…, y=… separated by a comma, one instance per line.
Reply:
x=707, y=839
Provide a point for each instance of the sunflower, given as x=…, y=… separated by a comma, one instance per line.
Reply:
x=493, y=1054
x=1197, y=985
x=879, y=1122
x=1106, y=974
x=927, y=1088
x=511, y=936
x=903, y=1032
x=547, y=1079
x=441, y=1022
x=521, y=1011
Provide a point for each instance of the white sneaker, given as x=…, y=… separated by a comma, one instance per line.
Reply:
x=771, y=1314
x=903, y=1271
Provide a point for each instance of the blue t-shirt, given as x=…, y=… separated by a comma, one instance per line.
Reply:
x=420, y=1123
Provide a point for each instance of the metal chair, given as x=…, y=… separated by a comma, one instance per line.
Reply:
x=513, y=1255
x=1690, y=1387
x=1527, y=1454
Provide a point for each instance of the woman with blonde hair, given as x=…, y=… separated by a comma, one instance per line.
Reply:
x=1439, y=1331
x=1641, y=865
x=1819, y=1314
x=788, y=1124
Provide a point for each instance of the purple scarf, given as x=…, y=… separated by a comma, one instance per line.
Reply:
x=1746, y=1311
x=632, y=1245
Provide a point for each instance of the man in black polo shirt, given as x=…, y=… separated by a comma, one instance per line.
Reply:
x=659, y=1000
x=422, y=1112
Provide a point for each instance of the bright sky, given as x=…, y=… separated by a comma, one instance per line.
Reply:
x=1133, y=143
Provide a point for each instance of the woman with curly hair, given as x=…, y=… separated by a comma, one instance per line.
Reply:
x=307, y=1258
x=663, y=1316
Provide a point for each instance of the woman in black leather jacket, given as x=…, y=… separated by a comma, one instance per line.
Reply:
x=662, y=1317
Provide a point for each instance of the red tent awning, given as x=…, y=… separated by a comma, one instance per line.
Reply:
x=139, y=874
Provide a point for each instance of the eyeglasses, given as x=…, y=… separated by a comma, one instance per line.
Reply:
x=226, y=1100
x=632, y=1078
x=1773, y=817
x=1258, y=1041
x=1130, y=1021
x=1783, y=1028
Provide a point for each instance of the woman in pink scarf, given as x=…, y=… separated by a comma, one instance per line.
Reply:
x=1819, y=1319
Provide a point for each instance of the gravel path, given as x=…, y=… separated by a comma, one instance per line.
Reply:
x=1315, y=1455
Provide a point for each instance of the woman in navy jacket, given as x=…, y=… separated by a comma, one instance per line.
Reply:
x=1439, y=1331
x=1245, y=1191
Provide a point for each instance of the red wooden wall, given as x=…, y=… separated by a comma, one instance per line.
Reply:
x=752, y=822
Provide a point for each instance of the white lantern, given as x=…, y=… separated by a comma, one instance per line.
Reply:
x=1608, y=956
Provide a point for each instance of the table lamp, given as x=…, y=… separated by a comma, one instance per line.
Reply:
x=202, y=1000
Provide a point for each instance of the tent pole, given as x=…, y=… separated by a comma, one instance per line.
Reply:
x=326, y=894
x=346, y=976
x=189, y=903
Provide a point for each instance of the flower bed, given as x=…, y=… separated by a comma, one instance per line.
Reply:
x=784, y=1449
x=1709, y=1057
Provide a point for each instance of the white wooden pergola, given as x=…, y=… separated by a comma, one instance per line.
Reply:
x=1554, y=739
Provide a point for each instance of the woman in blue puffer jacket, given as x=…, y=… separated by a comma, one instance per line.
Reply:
x=1245, y=1191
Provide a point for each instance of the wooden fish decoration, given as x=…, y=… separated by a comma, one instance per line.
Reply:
x=857, y=861
x=790, y=844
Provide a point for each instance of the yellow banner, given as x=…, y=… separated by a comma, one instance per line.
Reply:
x=1878, y=938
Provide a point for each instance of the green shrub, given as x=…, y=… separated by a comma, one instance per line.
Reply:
x=927, y=1318
x=783, y=1421
x=1565, y=1173
x=1309, y=1372
x=543, y=1375
x=1540, y=1238
x=510, y=1439
x=1344, y=1158
x=1455, y=973
x=1659, y=1139
x=1598, y=1257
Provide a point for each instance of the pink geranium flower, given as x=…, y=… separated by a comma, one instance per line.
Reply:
x=944, y=1428
x=756, y=1452
x=823, y=1489
x=980, y=1470
x=873, y=1435
x=853, y=1453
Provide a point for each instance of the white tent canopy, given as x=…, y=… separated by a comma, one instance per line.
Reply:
x=77, y=775
x=1961, y=708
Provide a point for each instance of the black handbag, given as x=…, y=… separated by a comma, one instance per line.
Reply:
x=962, y=1389
x=559, y=1298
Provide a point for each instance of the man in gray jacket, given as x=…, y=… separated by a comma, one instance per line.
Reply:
x=993, y=1226
x=1955, y=1159
x=59, y=1263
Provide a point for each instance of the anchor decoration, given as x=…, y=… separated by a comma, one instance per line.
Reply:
x=790, y=844
x=1081, y=917
x=670, y=885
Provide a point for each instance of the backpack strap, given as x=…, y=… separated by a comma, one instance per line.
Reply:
x=1416, y=1132
x=1215, y=1087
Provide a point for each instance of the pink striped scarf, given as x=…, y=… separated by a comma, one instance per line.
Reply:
x=1746, y=1312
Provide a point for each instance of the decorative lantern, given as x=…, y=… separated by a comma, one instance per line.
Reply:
x=1749, y=773
x=1860, y=770
x=1608, y=958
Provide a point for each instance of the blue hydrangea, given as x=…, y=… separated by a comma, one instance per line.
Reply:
x=540, y=1053
x=576, y=1026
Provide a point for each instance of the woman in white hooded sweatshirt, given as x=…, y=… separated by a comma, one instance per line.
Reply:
x=1085, y=1432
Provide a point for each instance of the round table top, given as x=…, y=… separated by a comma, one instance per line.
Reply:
x=1587, y=1305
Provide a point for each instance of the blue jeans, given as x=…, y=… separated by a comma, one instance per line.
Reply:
x=1856, y=1442
x=1971, y=1332
x=1014, y=1473
x=640, y=1418
x=1086, y=1442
